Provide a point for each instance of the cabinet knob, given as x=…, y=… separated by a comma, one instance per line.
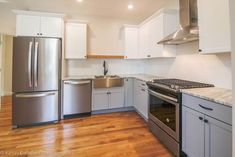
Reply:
x=40, y=33
x=148, y=55
x=206, y=121
x=37, y=33
x=200, y=118
x=200, y=50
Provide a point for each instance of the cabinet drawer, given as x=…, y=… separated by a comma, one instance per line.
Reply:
x=209, y=108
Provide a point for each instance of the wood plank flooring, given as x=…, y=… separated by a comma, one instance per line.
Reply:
x=108, y=135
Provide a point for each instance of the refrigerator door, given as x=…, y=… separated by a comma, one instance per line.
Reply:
x=46, y=64
x=22, y=64
x=34, y=108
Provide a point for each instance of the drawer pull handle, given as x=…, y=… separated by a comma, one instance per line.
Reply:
x=206, y=108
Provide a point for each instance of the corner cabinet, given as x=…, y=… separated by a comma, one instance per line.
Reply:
x=206, y=128
x=214, y=26
x=140, y=41
x=131, y=42
x=39, y=25
x=155, y=30
x=75, y=41
x=129, y=92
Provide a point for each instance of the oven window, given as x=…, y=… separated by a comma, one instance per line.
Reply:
x=163, y=111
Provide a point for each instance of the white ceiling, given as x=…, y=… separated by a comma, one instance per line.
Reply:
x=96, y=8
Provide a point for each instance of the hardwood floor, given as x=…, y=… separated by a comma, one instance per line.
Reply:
x=108, y=135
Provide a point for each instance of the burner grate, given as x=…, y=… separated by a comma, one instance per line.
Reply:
x=181, y=84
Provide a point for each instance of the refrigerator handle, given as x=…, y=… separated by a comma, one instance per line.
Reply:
x=34, y=95
x=30, y=64
x=36, y=65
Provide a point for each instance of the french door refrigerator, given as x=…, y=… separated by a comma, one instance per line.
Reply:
x=36, y=77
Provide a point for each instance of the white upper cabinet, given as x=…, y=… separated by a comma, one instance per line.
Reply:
x=51, y=27
x=214, y=26
x=160, y=27
x=144, y=41
x=39, y=24
x=131, y=42
x=27, y=25
x=141, y=41
x=75, y=41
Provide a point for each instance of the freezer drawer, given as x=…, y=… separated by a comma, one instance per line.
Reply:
x=76, y=97
x=34, y=108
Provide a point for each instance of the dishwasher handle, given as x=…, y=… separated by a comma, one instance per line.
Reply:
x=77, y=82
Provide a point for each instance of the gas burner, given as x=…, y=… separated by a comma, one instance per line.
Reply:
x=177, y=84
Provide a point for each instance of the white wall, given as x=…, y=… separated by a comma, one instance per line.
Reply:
x=95, y=67
x=7, y=65
x=232, y=13
x=190, y=65
x=8, y=20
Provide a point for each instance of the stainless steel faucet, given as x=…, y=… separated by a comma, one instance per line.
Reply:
x=105, y=68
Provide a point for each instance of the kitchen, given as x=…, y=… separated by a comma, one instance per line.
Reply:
x=121, y=43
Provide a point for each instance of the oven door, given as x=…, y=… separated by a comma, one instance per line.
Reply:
x=164, y=111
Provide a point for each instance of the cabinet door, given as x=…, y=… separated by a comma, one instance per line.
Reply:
x=116, y=100
x=100, y=101
x=214, y=26
x=129, y=90
x=155, y=35
x=192, y=133
x=51, y=27
x=218, y=138
x=143, y=106
x=131, y=43
x=137, y=98
x=144, y=41
x=27, y=25
x=75, y=41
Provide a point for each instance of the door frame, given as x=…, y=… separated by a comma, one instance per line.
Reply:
x=1, y=63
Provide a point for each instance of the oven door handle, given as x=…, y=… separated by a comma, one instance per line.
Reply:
x=159, y=95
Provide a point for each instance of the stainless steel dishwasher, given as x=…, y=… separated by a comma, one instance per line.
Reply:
x=76, y=97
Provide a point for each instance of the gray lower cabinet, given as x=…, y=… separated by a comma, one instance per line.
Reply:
x=107, y=98
x=129, y=91
x=203, y=134
x=218, y=138
x=141, y=98
x=116, y=100
x=100, y=101
x=192, y=133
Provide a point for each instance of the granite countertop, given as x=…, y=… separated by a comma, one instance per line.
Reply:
x=215, y=94
x=142, y=77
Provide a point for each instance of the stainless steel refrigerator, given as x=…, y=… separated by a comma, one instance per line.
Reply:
x=36, y=77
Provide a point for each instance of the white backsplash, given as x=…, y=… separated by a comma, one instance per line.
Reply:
x=95, y=67
x=191, y=65
x=188, y=64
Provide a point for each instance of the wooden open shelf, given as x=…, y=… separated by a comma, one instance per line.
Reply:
x=92, y=56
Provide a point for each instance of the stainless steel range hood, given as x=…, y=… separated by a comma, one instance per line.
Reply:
x=188, y=30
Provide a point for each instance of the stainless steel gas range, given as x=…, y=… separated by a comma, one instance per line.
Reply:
x=165, y=110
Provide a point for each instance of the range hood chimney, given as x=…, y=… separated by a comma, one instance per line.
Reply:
x=188, y=30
